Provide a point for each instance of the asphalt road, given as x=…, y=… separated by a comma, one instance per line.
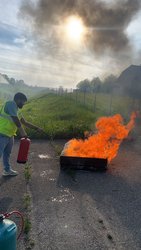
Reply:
x=90, y=211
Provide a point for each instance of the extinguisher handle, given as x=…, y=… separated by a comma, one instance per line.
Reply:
x=24, y=137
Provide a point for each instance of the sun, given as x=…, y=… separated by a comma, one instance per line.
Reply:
x=74, y=28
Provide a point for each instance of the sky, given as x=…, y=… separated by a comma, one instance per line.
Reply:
x=40, y=45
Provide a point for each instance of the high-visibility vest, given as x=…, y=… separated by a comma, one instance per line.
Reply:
x=7, y=125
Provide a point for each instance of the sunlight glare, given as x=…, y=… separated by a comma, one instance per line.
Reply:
x=74, y=28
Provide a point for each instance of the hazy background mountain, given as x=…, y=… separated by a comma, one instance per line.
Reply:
x=10, y=86
x=128, y=83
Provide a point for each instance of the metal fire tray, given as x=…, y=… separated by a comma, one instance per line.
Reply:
x=83, y=163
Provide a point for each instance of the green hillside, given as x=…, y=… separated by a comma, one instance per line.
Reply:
x=60, y=117
x=7, y=91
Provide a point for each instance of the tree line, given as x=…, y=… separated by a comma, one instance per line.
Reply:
x=130, y=87
x=97, y=85
x=13, y=81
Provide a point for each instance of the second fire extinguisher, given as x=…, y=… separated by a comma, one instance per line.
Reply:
x=23, y=150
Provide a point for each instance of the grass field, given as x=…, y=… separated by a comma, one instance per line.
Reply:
x=68, y=115
x=60, y=117
x=104, y=103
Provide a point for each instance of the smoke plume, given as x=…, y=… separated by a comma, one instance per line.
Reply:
x=106, y=23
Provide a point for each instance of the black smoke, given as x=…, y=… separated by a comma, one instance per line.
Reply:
x=106, y=23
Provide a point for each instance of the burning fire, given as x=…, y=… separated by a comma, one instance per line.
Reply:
x=105, y=143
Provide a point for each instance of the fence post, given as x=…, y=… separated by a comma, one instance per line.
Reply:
x=111, y=101
x=94, y=105
x=84, y=99
x=76, y=95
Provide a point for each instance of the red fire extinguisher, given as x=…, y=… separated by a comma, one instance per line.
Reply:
x=23, y=150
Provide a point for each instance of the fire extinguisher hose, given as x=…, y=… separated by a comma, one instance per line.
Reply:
x=7, y=215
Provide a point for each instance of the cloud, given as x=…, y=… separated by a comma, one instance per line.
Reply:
x=33, y=48
x=9, y=35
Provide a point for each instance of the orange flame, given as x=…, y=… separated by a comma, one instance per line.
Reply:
x=105, y=143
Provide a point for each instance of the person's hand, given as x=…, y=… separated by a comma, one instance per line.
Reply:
x=40, y=130
x=23, y=134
